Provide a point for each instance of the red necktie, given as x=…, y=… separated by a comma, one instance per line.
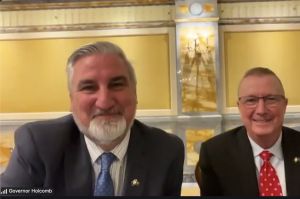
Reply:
x=268, y=180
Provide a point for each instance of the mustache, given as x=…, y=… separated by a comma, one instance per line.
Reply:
x=100, y=112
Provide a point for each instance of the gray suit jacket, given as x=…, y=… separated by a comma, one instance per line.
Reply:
x=227, y=164
x=53, y=154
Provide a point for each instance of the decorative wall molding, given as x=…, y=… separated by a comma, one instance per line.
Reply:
x=245, y=21
x=260, y=12
x=243, y=1
x=94, y=26
x=100, y=15
x=20, y=118
x=86, y=18
x=40, y=5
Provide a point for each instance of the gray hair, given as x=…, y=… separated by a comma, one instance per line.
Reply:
x=261, y=71
x=102, y=47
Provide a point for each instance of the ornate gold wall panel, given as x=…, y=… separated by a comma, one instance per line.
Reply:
x=33, y=79
x=276, y=49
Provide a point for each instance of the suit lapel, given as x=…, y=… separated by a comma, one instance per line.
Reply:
x=246, y=168
x=291, y=151
x=136, y=167
x=78, y=169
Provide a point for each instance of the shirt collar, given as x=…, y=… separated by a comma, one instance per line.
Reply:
x=119, y=151
x=276, y=149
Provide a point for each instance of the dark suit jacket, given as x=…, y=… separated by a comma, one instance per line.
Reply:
x=53, y=154
x=227, y=164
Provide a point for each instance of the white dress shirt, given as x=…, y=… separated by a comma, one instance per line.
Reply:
x=276, y=160
x=118, y=167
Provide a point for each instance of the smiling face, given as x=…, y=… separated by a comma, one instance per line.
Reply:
x=103, y=97
x=263, y=122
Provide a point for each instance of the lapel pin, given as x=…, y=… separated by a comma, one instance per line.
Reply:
x=135, y=183
x=296, y=160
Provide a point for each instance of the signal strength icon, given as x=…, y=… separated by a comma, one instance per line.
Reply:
x=3, y=192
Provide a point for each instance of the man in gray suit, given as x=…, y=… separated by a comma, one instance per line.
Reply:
x=233, y=164
x=63, y=154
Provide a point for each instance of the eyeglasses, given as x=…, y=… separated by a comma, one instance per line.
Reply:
x=269, y=100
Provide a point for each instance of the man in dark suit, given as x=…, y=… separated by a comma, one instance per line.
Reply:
x=233, y=164
x=66, y=154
